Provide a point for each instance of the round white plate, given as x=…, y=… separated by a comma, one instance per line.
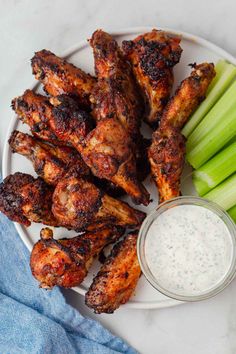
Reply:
x=195, y=49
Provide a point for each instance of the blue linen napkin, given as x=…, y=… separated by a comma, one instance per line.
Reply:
x=35, y=321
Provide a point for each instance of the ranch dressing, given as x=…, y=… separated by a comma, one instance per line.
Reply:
x=188, y=250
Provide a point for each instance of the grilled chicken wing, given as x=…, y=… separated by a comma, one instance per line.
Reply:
x=35, y=111
x=109, y=153
x=24, y=199
x=67, y=123
x=116, y=94
x=78, y=204
x=153, y=56
x=166, y=154
x=117, y=278
x=50, y=163
x=60, y=77
x=65, y=262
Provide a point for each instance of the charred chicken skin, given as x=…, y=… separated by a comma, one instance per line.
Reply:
x=116, y=94
x=117, y=278
x=60, y=77
x=24, y=199
x=62, y=122
x=166, y=154
x=65, y=262
x=153, y=56
x=50, y=163
x=79, y=204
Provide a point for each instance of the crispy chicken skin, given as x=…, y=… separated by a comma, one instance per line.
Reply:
x=117, y=278
x=60, y=77
x=167, y=152
x=35, y=110
x=153, y=56
x=78, y=204
x=62, y=122
x=24, y=199
x=108, y=152
x=50, y=163
x=116, y=94
x=65, y=262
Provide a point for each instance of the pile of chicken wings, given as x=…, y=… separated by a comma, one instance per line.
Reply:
x=87, y=150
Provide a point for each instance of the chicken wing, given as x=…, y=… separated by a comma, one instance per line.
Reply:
x=166, y=154
x=24, y=199
x=153, y=56
x=65, y=262
x=78, y=204
x=50, y=163
x=117, y=278
x=67, y=123
x=109, y=153
x=116, y=94
x=60, y=77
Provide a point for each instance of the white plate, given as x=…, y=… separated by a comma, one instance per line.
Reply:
x=195, y=49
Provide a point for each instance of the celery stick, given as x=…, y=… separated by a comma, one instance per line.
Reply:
x=225, y=73
x=215, y=170
x=213, y=141
x=232, y=213
x=224, y=194
x=225, y=105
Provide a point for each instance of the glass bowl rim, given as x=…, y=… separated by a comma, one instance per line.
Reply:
x=187, y=200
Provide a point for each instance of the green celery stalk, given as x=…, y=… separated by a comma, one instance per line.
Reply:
x=225, y=73
x=218, y=113
x=224, y=194
x=214, y=141
x=232, y=213
x=215, y=170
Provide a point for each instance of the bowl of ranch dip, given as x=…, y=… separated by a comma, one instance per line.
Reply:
x=187, y=248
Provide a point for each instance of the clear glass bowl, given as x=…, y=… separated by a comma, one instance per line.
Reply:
x=186, y=200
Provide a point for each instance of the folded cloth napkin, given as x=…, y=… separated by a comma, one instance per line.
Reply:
x=33, y=320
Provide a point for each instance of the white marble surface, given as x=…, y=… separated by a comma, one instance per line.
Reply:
x=207, y=327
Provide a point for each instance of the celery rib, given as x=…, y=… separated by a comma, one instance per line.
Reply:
x=225, y=73
x=224, y=194
x=215, y=170
x=223, y=108
x=214, y=141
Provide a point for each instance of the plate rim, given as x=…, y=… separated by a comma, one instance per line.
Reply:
x=69, y=52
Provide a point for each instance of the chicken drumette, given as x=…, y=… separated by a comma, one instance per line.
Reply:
x=117, y=278
x=78, y=204
x=50, y=162
x=24, y=199
x=65, y=262
x=60, y=77
x=116, y=94
x=153, y=56
x=166, y=154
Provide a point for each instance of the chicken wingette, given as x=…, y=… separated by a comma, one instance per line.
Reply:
x=60, y=77
x=116, y=281
x=167, y=152
x=25, y=199
x=65, y=262
x=67, y=124
x=153, y=56
x=78, y=204
x=50, y=162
